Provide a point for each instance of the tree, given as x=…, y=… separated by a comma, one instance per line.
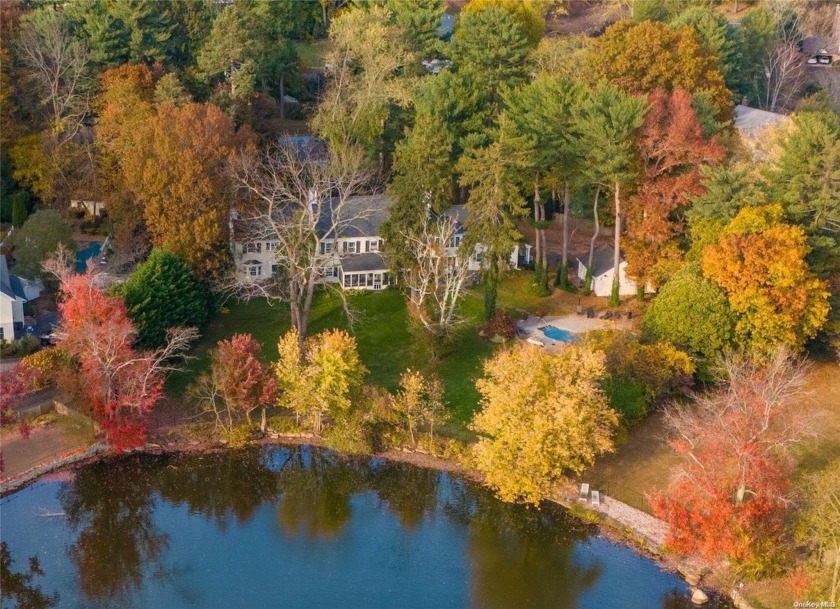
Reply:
x=19, y=202
x=607, y=122
x=492, y=45
x=121, y=384
x=232, y=50
x=563, y=56
x=299, y=201
x=672, y=147
x=177, y=171
x=366, y=77
x=322, y=380
x=419, y=401
x=170, y=89
x=805, y=177
x=41, y=234
x=760, y=264
x=642, y=58
x=819, y=528
x=163, y=294
x=493, y=206
x=540, y=115
x=541, y=415
x=729, y=496
x=58, y=69
x=693, y=313
x=435, y=278
x=718, y=36
x=528, y=14
x=238, y=383
x=419, y=20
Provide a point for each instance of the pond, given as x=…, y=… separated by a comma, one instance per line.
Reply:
x=303, y=527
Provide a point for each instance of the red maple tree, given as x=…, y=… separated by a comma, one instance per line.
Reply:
x=731, y=492
x=120, y=383
x=672, y=146
x=241, y=379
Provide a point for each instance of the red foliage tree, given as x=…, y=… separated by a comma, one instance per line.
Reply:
x=729, y=496
x=120, y=383
x=240, y=378
x=671, y=146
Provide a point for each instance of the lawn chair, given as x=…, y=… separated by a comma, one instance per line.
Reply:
x=596, y=498
x=584, y=492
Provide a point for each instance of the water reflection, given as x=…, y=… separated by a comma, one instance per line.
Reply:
x=18, y=587
x=128, y=518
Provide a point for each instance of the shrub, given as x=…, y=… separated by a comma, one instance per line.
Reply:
x=501, y=325
x=49, y=362
x=628, y=398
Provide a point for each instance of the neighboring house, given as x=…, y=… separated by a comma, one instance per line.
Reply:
x=603, y=273
x=357, y=262
x=756, y=127
x=14, y=291
x=520, y=256
x=92, y=208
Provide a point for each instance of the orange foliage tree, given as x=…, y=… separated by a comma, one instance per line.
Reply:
x=730, y=493
x=760, y=263
x=120, y=383
x=645, y=57
x=671, y=147
x=177, y=171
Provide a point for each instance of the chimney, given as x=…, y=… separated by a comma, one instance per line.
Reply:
x=744, y=101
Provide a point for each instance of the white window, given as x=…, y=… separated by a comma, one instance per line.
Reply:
x=374, y=245
x=326, y=247
x=253, y=248
x=254, y=270
x=270, y=246
x=351, y=247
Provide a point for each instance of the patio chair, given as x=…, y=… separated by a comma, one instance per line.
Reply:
x=590, y=313
x=584, y=492
x=596, y=498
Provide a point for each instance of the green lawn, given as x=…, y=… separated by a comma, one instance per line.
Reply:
x=381, y=329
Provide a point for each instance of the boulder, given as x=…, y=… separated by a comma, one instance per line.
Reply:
x=698, y=597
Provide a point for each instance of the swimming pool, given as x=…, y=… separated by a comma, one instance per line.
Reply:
x=555, y=333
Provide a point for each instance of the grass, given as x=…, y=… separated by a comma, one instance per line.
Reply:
x=381, y=330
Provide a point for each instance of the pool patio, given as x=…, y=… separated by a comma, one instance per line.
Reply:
x=529, y=329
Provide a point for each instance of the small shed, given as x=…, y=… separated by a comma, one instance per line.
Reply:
x=603, y=272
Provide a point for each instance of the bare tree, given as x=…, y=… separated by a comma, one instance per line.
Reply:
x=437, y=278
x=746, y=430
x=784, y=73
x=302, y=204
x=58, y=66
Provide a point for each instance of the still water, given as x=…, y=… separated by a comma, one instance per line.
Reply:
x=297, y=527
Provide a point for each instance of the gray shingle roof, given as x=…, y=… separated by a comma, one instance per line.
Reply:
x=363, y=263
x=751, y=122
x=369, y=213
x=602, y=259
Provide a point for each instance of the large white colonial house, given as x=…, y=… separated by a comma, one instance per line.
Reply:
x=357, y=262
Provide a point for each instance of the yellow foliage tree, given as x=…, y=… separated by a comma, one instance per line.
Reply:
x=542, y=415
x=324, y=379
x=760, y=263
x=419, y=400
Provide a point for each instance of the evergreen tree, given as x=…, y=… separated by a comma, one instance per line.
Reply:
x=717, y=35
x=419, y=20
x=20, y=207
x=493, y=207
x=40, y=236
x=493, y=46
x=162, y=294
x=608, y=120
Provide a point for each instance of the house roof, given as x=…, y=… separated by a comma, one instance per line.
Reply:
x=751, y=122
x=602, y=259
x=365, y=215
x=363, y=263
x=10, y=285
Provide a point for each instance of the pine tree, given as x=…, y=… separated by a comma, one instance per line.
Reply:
x=419, y=20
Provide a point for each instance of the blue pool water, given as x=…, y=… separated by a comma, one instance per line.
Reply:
x=555, y=333
x=85, y=252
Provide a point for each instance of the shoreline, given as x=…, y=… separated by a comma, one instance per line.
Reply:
x=609, y=529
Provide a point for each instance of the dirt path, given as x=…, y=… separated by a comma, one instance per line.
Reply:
x=43, y=445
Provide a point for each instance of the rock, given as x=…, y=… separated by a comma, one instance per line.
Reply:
x=194, y=442
x=692, y=579
x=698, y=597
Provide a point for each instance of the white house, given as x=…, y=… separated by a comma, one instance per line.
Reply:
x=12, y=297
x=521, y=253
x=603, y=272
x=357, y=262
